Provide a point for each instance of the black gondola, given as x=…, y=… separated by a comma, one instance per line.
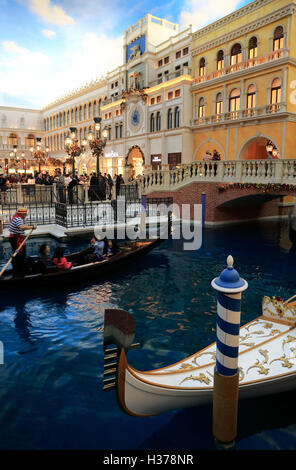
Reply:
x=82, y=272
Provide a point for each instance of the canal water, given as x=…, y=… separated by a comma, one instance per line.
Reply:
x=51, y=381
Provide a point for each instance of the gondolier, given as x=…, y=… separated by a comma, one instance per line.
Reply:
x=17, y=229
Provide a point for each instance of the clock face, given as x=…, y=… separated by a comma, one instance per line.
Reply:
x=135, y=118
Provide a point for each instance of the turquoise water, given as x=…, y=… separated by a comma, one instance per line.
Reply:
x=51, y=381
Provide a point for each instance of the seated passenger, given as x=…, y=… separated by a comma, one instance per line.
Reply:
x=44, y=257
x=98, y=251
x=60, y=260
x=112, y=248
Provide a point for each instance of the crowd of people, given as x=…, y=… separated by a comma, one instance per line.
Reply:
x=100, y=186
x=98, y=250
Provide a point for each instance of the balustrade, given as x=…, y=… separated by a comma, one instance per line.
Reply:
x=244, y=171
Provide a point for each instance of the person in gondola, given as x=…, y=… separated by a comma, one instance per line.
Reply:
x=17, y=229
x=111, y=248
x=60, y=260
x=44, y=256
x=98, y=248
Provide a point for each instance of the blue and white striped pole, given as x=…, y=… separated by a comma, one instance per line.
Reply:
x=226, y=378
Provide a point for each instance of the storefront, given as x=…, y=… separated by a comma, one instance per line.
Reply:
x=112, y=163
x=156, y=161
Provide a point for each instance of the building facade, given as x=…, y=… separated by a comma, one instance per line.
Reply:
x=244, y=74
x=230, y=87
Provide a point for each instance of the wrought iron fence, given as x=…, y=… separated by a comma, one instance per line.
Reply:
x=77, y=207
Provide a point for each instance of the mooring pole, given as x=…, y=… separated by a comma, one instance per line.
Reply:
x=203, y=208
x=226, y=376
x=143, y=218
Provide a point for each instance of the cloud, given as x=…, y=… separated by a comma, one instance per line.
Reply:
x=40, y=79
x=50, y=13
x=48, y=33
x=199, y=13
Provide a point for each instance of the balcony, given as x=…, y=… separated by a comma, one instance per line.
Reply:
x=171, y=76
x=242, y=114
x=250, y=63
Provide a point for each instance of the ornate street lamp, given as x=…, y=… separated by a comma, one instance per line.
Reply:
x=72, y=148
x=97, y=142
x=38, y=153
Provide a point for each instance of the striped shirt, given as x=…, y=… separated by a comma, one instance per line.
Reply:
x=14, y=226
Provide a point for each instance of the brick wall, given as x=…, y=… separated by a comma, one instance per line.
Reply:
x=253, y=208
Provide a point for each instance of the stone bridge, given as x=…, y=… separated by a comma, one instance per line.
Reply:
x=234, y=190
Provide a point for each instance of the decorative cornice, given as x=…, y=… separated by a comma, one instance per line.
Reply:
x=86, y=88
x=265, y=20
x=251, y=7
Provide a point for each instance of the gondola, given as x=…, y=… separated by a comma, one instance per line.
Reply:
x=129, y=252
x=267, y=363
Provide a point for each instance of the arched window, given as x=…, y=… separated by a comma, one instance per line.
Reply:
x=12, y=140
x=219, y=104
x=276, y=91
x=68, y=117
x=220, y=60
x=201, y=107
x=72, y=116
x=253, y=48
x=236, y=54
x=94, y=108
x=85, y=113
x=170, y=119
x=278, y=38
x=54, y=122
x=76, y=115
x=202, y=67
x=177, y=117
x=99, y=107
x=158, y=121
x=251, y=97
x=58, y=142
x=89, y=111
x=152, y=123
x=30, y=141
x=234, y=102
x=80, y=113
x=64, y=118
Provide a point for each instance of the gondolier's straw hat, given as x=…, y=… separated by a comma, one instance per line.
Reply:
x=22, y=210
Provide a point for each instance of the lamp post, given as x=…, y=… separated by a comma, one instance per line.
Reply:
x=97, y=142
x=72, y=148
x=38, y=153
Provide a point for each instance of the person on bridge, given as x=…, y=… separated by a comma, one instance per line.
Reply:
x=17, y=229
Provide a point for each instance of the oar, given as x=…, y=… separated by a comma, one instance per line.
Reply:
x=16, y=252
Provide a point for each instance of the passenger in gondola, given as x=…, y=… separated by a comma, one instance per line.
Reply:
x=111, y=248
x=98, y=247
x=44, y=256
x=60, y=260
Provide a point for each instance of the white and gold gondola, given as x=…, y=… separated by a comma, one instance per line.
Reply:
x=267, y=364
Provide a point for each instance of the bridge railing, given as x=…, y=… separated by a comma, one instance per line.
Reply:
x=245, y=171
